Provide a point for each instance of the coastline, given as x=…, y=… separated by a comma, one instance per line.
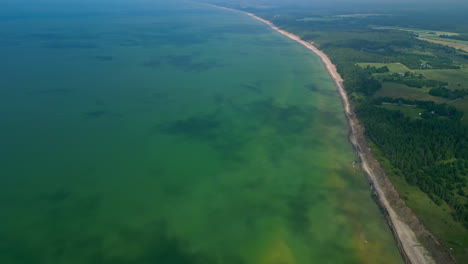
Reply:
x=405, y=226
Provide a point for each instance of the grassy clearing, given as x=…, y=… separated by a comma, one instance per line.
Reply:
x=407, y=110
x=397, y=90
x=457, y=79
x=393, y=67
x=436, y=218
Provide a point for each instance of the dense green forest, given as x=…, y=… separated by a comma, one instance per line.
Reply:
x=449, y=94
x=431, y=152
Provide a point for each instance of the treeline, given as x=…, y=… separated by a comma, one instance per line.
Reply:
x=373, y=69
x=435, y=110
x=357, y=79
x=447, y=93
x=431, y=152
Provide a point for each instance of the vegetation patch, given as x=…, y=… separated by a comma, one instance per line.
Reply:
x=392, y=67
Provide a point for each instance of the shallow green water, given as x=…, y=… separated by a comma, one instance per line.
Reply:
x=174, y=133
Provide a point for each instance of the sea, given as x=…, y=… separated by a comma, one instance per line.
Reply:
x=172, y=132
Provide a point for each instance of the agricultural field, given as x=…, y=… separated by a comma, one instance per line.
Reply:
x=397, y=90
x=393, y=67
x=456, y=79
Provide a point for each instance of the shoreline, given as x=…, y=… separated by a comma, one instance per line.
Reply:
x=405, y=227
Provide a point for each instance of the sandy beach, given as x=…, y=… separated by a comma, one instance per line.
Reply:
x=412, y=250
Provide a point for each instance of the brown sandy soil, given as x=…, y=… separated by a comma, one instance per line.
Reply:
x=417, y=245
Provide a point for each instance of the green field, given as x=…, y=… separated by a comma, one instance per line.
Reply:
x=393, y=67
x=435, y=217
x=397, y=90
x=407, y=110
x=457, y=79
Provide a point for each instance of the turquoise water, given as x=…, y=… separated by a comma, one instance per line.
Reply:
x=171, y=132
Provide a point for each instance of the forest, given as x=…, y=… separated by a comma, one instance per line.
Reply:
x=431, y=152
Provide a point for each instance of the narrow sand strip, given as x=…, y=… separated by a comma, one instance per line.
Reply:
x=413, y=252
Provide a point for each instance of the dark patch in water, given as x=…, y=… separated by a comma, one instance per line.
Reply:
x=45, y=36
x=186, y=63
x=103, y=58
x=276, y=151
x=102, y=113
x=219, y=99
x=56, y=197
x=252, y=88
x=70, y=45
x=156, y=244
x=59, y=37
x=129, y=43
x=152, y=63
x=221, y=136
x=164, y=36
x=328, y=118
x=9, y=43
x=17, y=251
x=269, y=42
x=179, y=60
x=229, y=144
x=300, y=206
x=194, y=127
x=288, y=119
x=314, y=88
x=52, y=91
x=239, y=29
x=159, y=98
x=98, y=113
